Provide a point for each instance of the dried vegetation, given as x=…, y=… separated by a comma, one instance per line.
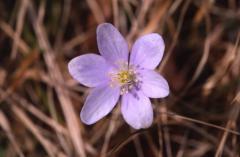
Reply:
x=40, y=102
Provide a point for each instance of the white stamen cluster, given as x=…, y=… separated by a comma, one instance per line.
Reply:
x=126, y=78
x=130, y=83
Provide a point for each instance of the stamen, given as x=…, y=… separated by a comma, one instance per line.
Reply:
x=126, y=78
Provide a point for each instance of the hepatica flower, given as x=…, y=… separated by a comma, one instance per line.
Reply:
x=118, y=74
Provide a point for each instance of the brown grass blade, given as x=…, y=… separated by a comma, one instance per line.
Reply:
x=4, y=123
x=56, y=76
x=20, y=23
x=50, y=148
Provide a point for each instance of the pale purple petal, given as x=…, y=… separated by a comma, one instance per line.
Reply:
x=90, y=70
x=111, y=44
x=153, y=84
x=99, y=103
x=137, y=110
x=147, y=51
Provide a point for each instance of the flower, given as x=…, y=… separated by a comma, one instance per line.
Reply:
x=115, y=74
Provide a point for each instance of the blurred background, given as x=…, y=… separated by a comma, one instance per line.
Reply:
x=40, y=102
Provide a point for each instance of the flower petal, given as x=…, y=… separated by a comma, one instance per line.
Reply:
x=153, y=84
x=111, y=44
x=99, y=103
x=90, y=69
x=147, y=51
x=137, y=110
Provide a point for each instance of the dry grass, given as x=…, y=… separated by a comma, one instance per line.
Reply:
x=40, y=102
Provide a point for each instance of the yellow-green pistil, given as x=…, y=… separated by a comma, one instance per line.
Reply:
x=126, y=78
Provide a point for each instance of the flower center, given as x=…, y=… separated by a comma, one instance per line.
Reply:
x=127, y=78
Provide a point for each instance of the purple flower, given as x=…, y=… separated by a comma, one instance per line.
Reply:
x=114, y=74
